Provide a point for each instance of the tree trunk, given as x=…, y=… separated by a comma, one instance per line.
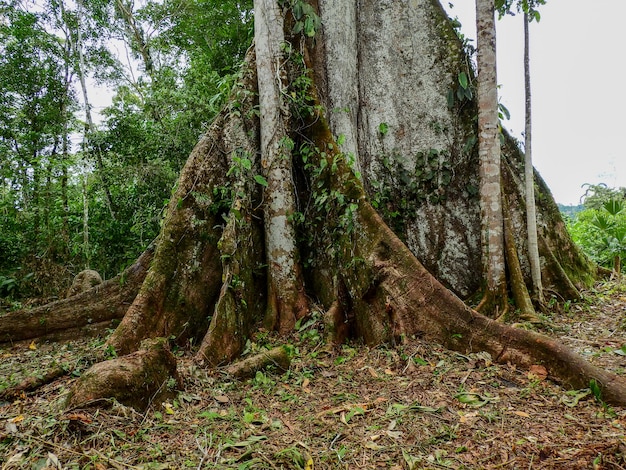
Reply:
x=209, y=278
x=90, y=127
x=529, y=175
x=495, y=296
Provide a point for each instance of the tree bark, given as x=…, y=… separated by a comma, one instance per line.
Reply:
x=248, y=367
x=137, y=380
x=286, y=302
x=490, y=164
x=529, y=175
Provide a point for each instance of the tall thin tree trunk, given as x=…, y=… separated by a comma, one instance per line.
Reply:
x=531, y=215
x=65, y=205
x=86, y=249
x=489, y=153
x=90, y=126
x=286, y=299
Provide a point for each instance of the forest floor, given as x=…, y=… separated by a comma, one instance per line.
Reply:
x=416, y=406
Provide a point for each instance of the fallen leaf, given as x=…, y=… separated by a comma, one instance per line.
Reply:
x=17, y=419
x=15, y=458
x=537, y=372
x=522, y=414
x=10, y=427
x=53, y=461
x=468, y=417
x=222, y=399
x=394, y=434
x=410, y=460
x=246, y=443
x=32, y=346
x=372, y=372
x=83, y=418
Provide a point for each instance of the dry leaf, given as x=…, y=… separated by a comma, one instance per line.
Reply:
x=394, y=434
x=222, y=399
x=32, y=346
x=537, y=372
x=372, y=372
x=522, y=414
x=83, y=418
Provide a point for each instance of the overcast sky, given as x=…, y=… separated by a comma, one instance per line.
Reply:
x=578, y=89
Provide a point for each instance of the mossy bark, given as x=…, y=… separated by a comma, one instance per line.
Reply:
x=391, y=296
x=138, y=379
x=242, y=298
x=171, y=301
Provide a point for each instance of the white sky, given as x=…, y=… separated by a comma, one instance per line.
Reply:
x=578, y=77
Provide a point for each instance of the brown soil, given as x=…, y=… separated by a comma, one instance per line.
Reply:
x=416, y=406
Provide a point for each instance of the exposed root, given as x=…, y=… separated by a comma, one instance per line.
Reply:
x=134, y=380
x=248, y=367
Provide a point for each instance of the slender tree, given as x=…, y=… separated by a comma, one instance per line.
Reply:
x=489, y=152
x=530, y=13
x=529, y=173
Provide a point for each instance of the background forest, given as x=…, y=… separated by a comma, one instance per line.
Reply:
x=77, y=191
x=80, y=189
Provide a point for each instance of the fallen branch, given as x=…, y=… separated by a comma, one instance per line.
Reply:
x=33, y=383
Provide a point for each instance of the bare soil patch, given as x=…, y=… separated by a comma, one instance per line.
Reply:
x=414, y=406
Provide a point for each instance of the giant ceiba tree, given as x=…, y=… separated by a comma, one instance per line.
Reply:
x=342, y=172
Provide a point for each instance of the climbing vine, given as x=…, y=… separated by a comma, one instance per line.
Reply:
x=307, y=22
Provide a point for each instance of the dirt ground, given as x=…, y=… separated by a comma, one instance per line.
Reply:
x=415, y=406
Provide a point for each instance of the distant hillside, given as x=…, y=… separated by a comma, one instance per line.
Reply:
x=570, y=211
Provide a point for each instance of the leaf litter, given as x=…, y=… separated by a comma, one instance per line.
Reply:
x=417, y=406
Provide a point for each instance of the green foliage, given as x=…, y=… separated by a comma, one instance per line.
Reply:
x=597, y=194
x=8, y=286
x=504, y=7
x=402, y=189
x=307, y=21
x=131, y=162
x=600, y=229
